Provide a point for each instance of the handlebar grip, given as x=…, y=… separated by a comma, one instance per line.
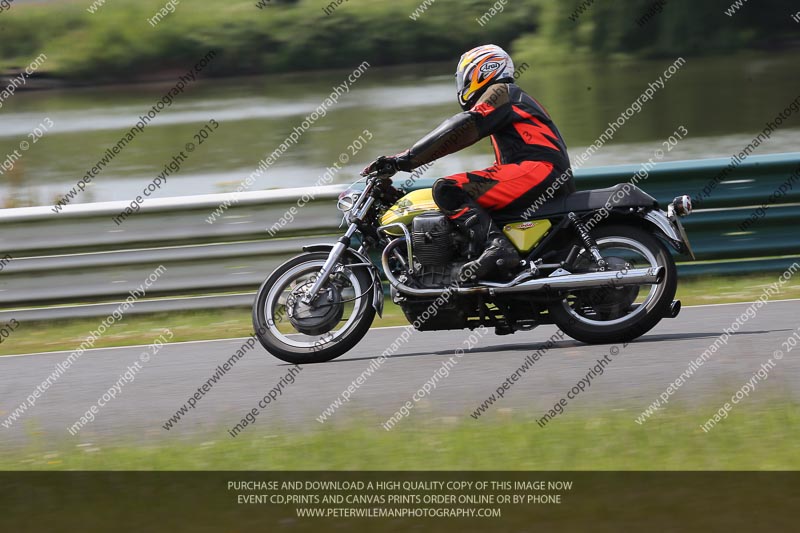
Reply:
x=386, y=167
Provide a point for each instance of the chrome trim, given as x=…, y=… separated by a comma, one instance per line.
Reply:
x=662, y=222
x=377, y=287
x=409, y=291
x=681, y=206
x=353, y=197
x=672, y=228
x=363, y=209
x=355, y=215
x=519, y=279
x=614, y=278
x=327, y=269
x=674, y=309
x=407, y=233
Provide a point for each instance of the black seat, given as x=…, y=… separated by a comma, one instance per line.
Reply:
x=595, y=199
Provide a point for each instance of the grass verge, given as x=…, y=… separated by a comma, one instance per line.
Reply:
x=34, y=337
x=756, y=436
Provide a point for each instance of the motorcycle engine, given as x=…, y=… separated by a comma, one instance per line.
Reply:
x=436, y=250
x=437, y=246
x=432, y=239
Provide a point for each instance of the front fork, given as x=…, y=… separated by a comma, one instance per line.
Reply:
x=341, y=245
x=327, y=269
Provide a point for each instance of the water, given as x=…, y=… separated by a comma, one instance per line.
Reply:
x=722, y=102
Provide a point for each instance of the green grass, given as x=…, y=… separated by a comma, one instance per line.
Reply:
x=730, y=289
x=755, y=436
x=34, y=337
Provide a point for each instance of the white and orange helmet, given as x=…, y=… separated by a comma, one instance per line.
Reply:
x=478, y=69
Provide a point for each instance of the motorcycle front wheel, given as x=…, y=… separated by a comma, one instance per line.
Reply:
x=329, y=326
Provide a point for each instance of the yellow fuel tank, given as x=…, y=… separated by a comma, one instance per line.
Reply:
x=526, y=235
x=523, y=235
x=407, y=207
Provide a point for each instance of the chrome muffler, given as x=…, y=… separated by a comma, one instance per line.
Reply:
x=612, y=278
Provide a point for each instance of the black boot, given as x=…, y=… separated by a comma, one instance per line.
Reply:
x=497, y=260
x=499, y=257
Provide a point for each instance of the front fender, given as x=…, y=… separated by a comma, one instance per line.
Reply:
x=377, y=287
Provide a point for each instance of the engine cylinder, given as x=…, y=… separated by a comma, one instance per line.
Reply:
x=432, y=239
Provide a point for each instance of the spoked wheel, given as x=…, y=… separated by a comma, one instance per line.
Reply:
x=298, y=332
x=619, y=314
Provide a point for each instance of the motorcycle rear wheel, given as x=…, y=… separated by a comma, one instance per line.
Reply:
x=595, y=322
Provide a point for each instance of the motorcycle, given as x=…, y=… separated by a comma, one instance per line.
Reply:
x=594, y=263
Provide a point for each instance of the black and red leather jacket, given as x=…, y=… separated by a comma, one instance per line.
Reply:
x=519, y=127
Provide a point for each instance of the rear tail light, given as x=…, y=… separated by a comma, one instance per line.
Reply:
x=680, y=206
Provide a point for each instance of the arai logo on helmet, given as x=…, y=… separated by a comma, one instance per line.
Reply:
x=491, y=66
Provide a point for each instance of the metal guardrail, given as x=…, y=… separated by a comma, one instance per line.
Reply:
x=76, y=262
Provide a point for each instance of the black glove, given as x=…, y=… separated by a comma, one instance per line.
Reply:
x=389, y=165
x=386, y=165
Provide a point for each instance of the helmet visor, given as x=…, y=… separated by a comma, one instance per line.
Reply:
x=459, y=85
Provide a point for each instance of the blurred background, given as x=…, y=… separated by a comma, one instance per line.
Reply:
x=102, y=64
x=277, y=63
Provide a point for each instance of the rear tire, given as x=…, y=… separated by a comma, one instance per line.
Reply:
x=327, y=350
x=639, y=322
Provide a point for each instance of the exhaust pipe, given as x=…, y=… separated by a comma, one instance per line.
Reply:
x=672, y=311
x=613, y=278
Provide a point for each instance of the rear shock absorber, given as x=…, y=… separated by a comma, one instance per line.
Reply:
x=588, y=241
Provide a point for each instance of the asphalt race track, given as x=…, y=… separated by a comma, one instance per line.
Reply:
x=633, y=379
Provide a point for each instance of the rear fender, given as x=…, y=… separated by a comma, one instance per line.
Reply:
x=671, y=230
x=657, y=222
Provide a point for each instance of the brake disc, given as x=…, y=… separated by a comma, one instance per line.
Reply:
x=318, y=317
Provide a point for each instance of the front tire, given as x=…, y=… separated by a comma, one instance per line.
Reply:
x=273, y=320
x=571, y=315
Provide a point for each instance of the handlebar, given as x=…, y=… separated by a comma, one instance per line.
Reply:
x=383, y=167
x=387, y=169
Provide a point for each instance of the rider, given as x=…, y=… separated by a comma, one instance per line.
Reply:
x=530, y=155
